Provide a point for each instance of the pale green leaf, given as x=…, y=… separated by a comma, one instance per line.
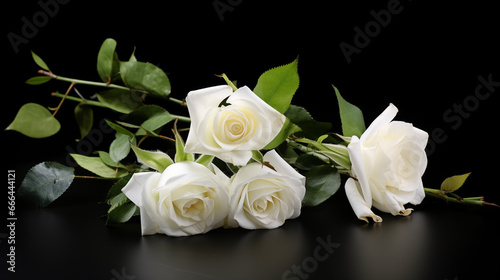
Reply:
x=97, y=166
x=350, y=116
x=120, y=147
x=45, y=182
x=108, y=64
x=39, y=61
x=453, y=183
x=38, y=80
x=35, y=121
x=278, y=85
x=156, y=160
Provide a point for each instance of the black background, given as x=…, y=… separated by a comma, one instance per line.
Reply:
x=426, y=60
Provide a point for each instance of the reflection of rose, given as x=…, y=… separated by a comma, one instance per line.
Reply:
x=230, y=125
x=264, y=197
x=186, y=199
x=388, y=162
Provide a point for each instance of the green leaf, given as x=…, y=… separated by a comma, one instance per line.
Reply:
x=120, y=129
x=35, y=121
x=84, y=118
x=257, y=156
x=287, y=129
x=156, y=160
x=145, y=77
x=40, y=61
x=38, y=80
x=351, y=117
x=108, y=64
x=122, y=101
x=121, y=213
x=106, y=158
x=120, y=147
x=453, y=183
x=45, y=182
x=321, y=183
x=278, y=85
x=115, y=194
x=310, y=128
x=150, y=117
x=97, y=166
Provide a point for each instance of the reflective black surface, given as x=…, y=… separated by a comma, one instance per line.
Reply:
x=438, y=241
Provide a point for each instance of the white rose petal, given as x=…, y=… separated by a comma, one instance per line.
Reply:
x=388, y=162
x=229, y=125
x=262, y=197
x=186, y=199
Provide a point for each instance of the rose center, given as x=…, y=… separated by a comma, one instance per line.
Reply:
x=192, y=207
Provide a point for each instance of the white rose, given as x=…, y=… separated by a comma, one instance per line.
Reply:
x=186, y=199
x=230, y=125
x=388, y=162
x=262, y=197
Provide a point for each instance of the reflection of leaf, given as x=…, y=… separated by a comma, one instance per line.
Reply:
x=278, y=85
x=35, y=121
x=321, y=183
x=45, y=182
x=145, y=76
x=453, y=183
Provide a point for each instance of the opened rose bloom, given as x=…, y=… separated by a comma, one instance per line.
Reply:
x=186, y=199
x=388, y=162
x=229, y=125
x=265, y=196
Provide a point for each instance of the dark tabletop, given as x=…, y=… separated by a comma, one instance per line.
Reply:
x=68, y=240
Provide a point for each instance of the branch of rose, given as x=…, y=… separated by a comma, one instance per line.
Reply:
x=99, y=84
x=449, y=197
x=454, y=198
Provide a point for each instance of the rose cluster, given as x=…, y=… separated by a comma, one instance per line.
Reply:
x=191, y=198
x=385, y=165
